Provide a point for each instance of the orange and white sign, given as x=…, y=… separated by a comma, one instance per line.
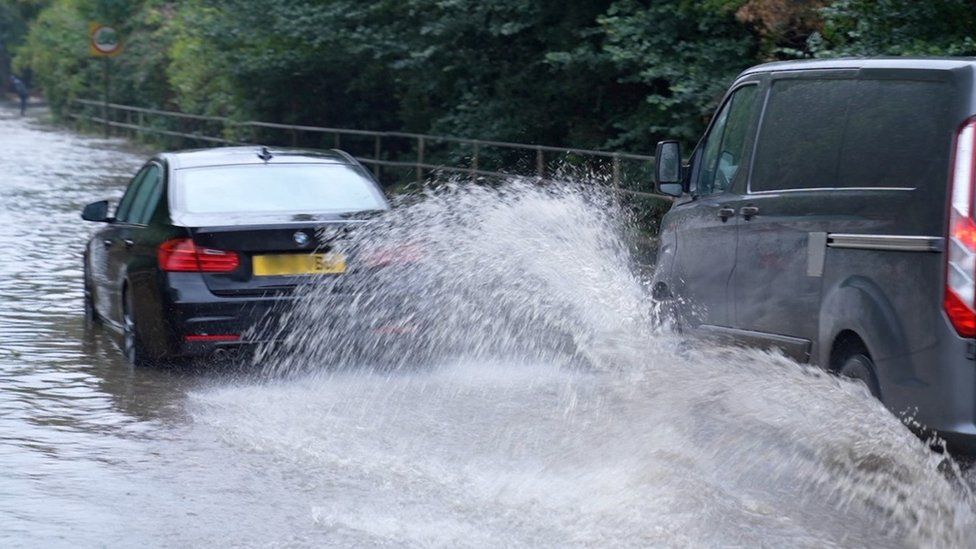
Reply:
x=103, y=40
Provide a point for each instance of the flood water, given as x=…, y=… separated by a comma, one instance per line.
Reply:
x=543, y=407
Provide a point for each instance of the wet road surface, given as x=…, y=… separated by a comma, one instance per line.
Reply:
x=650, y=446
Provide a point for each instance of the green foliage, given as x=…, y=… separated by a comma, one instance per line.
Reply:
x=679, y=56
x=15, y=18
x=615, y=74
x=897, y=27
x=56, y=50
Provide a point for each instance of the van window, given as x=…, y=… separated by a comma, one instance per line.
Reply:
x=898, y=134
x=847, y=133
x=725, y=146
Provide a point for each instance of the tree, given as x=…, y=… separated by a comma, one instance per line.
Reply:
x=896, y=27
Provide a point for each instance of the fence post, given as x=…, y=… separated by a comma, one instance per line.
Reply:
x=420, y=160
x=616, y=173
x=105, y=97
x=376, y=155
x=540, y=164
x=338, y=140
x=105, y=126
x=474, y=159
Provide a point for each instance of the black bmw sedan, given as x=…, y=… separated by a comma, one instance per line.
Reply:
x=205, y=245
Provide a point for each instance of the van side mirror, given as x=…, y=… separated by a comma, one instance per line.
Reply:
x=96, y=211
x=667, y=168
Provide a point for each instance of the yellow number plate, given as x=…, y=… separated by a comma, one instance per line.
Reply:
x=298, y=264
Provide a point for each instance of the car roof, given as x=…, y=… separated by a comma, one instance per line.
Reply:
x=230, y=156
x=929, y=63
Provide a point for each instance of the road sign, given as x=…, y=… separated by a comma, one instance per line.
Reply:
x=103, y=40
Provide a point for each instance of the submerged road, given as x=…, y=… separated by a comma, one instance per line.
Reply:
x=657, y=443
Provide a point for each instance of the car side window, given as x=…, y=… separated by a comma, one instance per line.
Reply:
x=147, y=196
x=725, y=146
x=123, y=213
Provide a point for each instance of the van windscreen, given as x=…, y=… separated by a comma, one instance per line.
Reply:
x=853, y=133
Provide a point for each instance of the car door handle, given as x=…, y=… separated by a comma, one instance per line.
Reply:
x=107, y=243
x=128, y=242
x=749, y=211
x=726, y=213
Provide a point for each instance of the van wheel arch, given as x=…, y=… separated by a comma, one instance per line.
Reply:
x=661, y=292
x=667, y=310
x=849, y=357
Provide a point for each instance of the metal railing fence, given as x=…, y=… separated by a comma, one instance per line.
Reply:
x=417, y=154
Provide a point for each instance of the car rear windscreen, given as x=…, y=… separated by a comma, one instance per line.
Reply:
x=853, y=133
x=275, y=188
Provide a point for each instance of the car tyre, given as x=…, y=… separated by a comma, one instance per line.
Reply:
x=132, y=347
x=861, y=368
x=91, y=316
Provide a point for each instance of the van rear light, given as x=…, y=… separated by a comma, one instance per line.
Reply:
x=183, y=255
x=386, y=257
x=960, y=285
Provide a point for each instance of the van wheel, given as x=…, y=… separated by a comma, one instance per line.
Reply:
x=668, y=311
x=861, y=368
x=132, y=348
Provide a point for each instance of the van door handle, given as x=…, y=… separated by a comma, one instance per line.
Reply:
x=749, y=211
x=107, y=243
x=726, y=213
x=128, y=242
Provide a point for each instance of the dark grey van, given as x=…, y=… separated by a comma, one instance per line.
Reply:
x=828, y=212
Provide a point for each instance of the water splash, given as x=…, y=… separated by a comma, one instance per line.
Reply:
x=521, y=272
x=557, y=411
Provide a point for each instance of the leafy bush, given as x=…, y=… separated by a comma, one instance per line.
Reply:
x=616, y=74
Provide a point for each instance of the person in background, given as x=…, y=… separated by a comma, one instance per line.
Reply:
x=21, y=90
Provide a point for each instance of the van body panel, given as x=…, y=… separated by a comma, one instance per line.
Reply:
x=701, y=235
x=898, y=310
x=772, y=252
x=943, y=397
x=860, y=150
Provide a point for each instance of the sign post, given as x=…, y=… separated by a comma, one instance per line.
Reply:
x=104, y=42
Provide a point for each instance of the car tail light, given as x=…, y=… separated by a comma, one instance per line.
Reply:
x=960, y=285
x=182, y=255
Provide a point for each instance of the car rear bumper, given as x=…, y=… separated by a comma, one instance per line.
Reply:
x=201, y=323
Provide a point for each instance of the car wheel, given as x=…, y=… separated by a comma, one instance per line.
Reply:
x=91, y=316
x=132, y=348
x=861, y=368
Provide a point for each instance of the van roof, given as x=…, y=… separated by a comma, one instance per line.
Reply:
x=930, y=63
